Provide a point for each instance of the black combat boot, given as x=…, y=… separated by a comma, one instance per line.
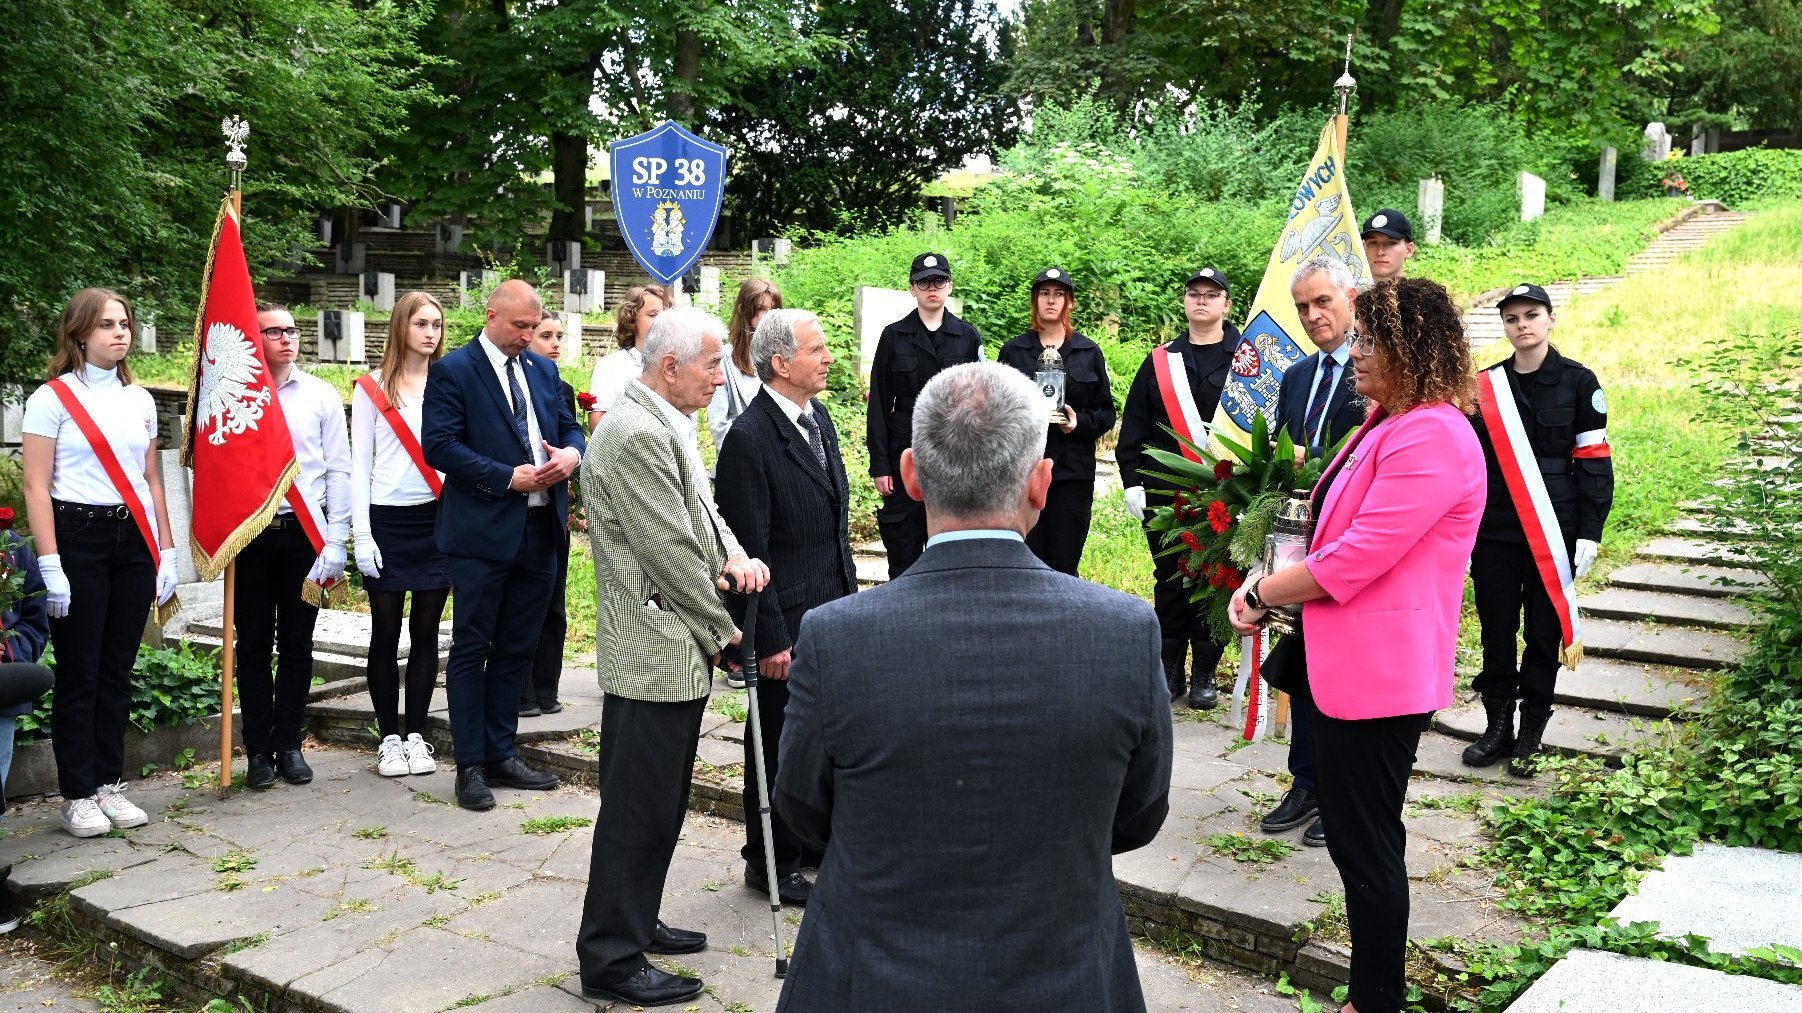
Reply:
x=1202, y=694
x=1497, y=740
x=1527, y=744
x=1175, y=648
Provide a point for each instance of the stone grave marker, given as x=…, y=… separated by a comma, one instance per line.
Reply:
x=12, y=415
x=584, y=291
x=1431, y=209
x=471, y=281
x=1532, y=196
x=351, y=257
x=1658, y=143
x=341, y=336
x=1605, y=176
x=874, y=308
x=324, y=229
x=573, y=350
x=563, y=256
x=378, y=288
x=450, y=237
x=146, y=337
x=710, y=288
x=391, y=217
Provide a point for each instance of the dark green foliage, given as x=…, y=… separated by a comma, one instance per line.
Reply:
x=1735, y=178
x=170, y=686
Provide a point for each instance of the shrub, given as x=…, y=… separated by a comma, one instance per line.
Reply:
x=170, y=686
x=1735, y=178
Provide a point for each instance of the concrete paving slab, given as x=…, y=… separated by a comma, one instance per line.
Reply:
x=1647, y=690
x=1589, y=981
x=1439, y=755
x=1677, y=578
x=426, y=969
x=1682, y=648
x=30, y=981
x=53, y=872
x=1572, y=731
x=1708, y=529
x=1740, y=898
x=1685, y=609
x=193, y=926
x=1694, y=552
x=337, y=631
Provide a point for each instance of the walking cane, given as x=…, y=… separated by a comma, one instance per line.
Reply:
x=749, y=653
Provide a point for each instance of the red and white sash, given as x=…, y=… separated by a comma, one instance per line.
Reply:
x=1179, y=401
x=403, y=433
x=1526, y=487
x=108, y=456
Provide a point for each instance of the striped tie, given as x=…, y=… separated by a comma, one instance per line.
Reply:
x=1317, y=410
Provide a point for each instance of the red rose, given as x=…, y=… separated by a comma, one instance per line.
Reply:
x=6, y=518
x=1191, y=540
x=586, y=400
x=1219, y=517
x=1223, y=470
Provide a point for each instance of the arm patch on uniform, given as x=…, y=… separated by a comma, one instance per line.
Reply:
x=1598, y=402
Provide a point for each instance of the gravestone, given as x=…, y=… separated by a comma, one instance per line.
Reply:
x=1698, y=141
x=450, y=237
x=472, y=281
x=710, y=289
x=1605, y=176
x=1658, y=143
x=351, y=257
x=12, y=415
x=573, y=352
x=874, y=308
x=391, y=217
x=146, y=337
x=1431, y=209
x=563, y=255
x=324, y=229
x=1532, y=196
x=340, y=336
x=378, y=288
x=584, y=291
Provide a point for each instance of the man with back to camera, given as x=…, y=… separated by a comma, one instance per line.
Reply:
x=910, y=352
x=971, y=770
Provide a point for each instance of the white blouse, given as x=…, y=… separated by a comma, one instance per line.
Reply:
x=381, y=470
x=612, y=375
x=719, y=418
x=126, y=416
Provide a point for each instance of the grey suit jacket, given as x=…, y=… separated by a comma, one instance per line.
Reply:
x=658, y=547
x=975, y=739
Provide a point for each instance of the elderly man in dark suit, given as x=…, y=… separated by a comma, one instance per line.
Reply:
x=1318, y=407
x=494, y=422
x=782, y=488
x=974, y=740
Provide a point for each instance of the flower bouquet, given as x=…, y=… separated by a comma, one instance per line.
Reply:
x=1223, y=509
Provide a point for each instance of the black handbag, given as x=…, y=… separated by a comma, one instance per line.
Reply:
x=1285, y=668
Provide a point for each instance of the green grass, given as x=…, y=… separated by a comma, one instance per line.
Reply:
x=1570, y=241
x=543, y=825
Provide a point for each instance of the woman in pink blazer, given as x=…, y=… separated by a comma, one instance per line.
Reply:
x=1396, y=516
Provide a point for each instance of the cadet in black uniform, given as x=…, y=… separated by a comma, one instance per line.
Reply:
x=1207, y=354
x=1565, y=417
x=910, y=352
x=1063, y=525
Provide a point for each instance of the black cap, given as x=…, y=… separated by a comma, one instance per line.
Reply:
x=929, y=265
x=1391, y=223
x=1528, y=291
x=1055, y=275
x=1211, y=275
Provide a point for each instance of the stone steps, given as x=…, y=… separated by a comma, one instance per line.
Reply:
x=1701, y=581
x=1694, y=552
x=1573, y=731
x=1667, y=609
x=1660, y=645
x=1593, y=981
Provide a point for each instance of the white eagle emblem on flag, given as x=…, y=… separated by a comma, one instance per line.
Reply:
x=230, y=399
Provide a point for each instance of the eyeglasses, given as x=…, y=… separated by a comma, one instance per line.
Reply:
x=1207, y=295
x=281, y=332
x=932, y=284
x=1360, y=344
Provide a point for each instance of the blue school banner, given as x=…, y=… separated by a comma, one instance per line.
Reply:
x=667, y=189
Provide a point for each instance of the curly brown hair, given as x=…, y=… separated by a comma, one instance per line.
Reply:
x=625, y=319
x=1416, y=334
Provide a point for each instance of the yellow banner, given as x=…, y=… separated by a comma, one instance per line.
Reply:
x=1321, y=224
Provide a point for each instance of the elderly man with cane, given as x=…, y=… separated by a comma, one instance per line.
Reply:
x=665, y=554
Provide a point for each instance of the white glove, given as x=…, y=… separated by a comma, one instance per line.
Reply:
x=1585, y=556
x=166, y=576
x=329, y=568
x=369, y=557
x=56, y=585
x=1135, y=502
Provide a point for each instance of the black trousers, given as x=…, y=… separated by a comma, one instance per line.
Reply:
x=1363, y=769
x=902, y=521
x=646, y=764
x=772, y=699
x=112, y=582
x=495, y=625
x=1507, y=585
x=1063, y=527
x=273, y=619
x=1180, y=622
x=547, y=665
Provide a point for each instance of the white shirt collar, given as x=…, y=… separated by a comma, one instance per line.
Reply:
x=94, y=376
x=495, y=356
x=683, y=423
x=789, y=408
x=1340, y=355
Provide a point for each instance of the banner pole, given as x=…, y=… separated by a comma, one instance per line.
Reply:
x=226, y=670
x=1344, y=86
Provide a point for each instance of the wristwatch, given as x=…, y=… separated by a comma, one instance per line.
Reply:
x=1252, y=598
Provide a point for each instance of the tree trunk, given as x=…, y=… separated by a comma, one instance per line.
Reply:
x=687, y=77
x=569, y=186
x=1117, y=20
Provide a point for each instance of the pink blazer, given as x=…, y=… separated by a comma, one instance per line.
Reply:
x=1390, y=547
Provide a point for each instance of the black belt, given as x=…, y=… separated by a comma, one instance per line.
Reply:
x=115, y=512
x=282, y=522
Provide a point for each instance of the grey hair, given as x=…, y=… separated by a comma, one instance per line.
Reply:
x=679, y=332
x=1336, y=269
x=775, y=335
x=978, y=430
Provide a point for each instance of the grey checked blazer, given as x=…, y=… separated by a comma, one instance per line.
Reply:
x=659, y=545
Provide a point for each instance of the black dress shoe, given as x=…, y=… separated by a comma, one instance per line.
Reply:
x=262, y=772
x=529, y=710
x=649, y=987
x=293, y=767
x=513, y=773
x=1315, y=835
x=792, y=887
x=1297, y=808
x=472, y=789
x=1203, y=696
x=668, y=941
x=550, y=708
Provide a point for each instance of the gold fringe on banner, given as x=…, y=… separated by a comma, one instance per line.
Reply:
x=1571, y=656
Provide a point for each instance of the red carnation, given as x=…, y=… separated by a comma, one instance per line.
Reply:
x=1232, y=577
x=586, y=400
x=6, y=518
x=1182, y=565
x=1191, y=540
x=1223, y=470
x=1219, y=517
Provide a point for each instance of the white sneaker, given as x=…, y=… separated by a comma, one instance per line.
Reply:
x=117, y=809
x=391, y=758
x=419, y=755
x=83, y=818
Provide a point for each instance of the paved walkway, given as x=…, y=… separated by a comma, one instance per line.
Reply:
x=29, y=980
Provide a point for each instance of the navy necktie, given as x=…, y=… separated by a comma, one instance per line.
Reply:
x=518, y=394
x=1322, y=396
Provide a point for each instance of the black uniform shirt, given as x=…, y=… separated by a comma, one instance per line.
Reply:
x=1557, y=402
x=1086, y=389
x=1143, y=418
x=908, y=355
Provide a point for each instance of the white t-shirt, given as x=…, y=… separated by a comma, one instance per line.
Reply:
x=381, y=470
x=612, y=375
x=126, y=416
x=719, y=415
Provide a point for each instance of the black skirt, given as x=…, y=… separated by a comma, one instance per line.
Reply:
x=411, y=560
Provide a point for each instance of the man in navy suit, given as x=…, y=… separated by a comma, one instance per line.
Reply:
x=507, y=442
x=1318, y=407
